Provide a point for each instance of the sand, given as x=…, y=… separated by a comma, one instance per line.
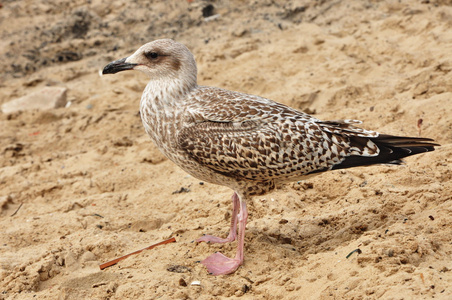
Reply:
x=83, y=184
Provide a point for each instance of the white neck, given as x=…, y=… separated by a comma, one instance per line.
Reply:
x=169, y=90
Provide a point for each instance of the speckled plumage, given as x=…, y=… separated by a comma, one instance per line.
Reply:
x=246, y=142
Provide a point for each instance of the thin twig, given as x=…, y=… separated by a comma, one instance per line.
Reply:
x=14, y=213
x=116, y=260
x=356, y=250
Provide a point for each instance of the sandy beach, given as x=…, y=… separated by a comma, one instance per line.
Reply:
x=83, y=184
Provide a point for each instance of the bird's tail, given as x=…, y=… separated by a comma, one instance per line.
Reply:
x=391, y=150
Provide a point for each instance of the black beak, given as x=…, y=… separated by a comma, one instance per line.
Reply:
x=118, y=66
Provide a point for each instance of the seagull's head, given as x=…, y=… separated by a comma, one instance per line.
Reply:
x=159, y=59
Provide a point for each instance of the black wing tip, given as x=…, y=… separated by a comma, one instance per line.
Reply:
x=392, y=150
x=405, y=140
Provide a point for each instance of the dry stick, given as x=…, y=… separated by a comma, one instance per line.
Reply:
x=17, y=209
x=115, y=261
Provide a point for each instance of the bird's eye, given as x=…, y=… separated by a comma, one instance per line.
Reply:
x=151, y=55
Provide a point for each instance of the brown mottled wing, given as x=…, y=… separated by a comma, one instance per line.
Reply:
x=253, y=138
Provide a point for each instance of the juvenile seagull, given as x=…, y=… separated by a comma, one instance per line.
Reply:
x=247, y=143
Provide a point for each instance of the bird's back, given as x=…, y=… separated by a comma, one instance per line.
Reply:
x=251, y=138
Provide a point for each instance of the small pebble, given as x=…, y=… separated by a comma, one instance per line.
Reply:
x=182, y=282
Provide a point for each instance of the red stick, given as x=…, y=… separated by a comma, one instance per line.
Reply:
x=116, y=260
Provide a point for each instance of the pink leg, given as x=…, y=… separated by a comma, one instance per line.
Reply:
x=217, y=263
x=232, y=232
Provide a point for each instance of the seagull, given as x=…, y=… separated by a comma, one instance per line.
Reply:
x=247, y=143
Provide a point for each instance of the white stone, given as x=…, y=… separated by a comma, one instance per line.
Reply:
x=44, y=99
